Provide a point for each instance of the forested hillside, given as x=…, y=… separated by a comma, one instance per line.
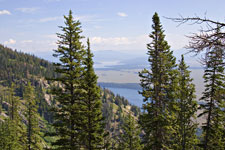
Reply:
x=18, y=65
x=19, y=68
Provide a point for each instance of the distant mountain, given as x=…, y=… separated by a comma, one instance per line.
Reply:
x=127, y=60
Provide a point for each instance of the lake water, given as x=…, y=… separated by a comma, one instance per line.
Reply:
x=130, y=94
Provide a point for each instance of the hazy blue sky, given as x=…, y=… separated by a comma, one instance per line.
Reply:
x=118, y=25
x=118, y=30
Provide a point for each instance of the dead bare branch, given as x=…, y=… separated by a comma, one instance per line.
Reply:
x=208, y=37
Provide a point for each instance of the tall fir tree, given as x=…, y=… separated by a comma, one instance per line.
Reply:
x=186, y=138
x=129, y=138
x=93, y=127
x=4, y=134
x=34, y=140
x=70, y=93
x=12, y=127
x=158, y=88
x=213, y=100
x=4, y=123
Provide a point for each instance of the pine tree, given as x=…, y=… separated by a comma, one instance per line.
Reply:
x=129, y=138
x=34, y=140
x=12, y=136
x=186, y=138
x=4, y=134
x=213, y=100
x=158, y=89
x=92, y=127
x=4, y=123
x=15, y=126
x=70, y=93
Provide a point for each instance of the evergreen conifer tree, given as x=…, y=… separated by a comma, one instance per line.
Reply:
x=34, y=140
x=12, y=136
x=4, y=134
x=93, y=127
x=213, y=100
x=70, y=93
x=186, y=138
x=158, y=89
x=15, y=127
x=129, y=138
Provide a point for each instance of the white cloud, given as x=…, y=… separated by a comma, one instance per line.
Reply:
x=10, y=41
x=5, y=12
x=88, y=18
x=122, y=14
x=111, y=40
x=26, y=41
x=120, y=43
x=135, y=43
x=28, y=10
x=50, y=19
x=82, y=18
x=35, y=46
x=51, y=36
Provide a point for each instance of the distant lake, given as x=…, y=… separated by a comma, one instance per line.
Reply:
x=130, y=94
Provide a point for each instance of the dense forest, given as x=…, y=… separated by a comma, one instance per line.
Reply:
x=60, y=105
